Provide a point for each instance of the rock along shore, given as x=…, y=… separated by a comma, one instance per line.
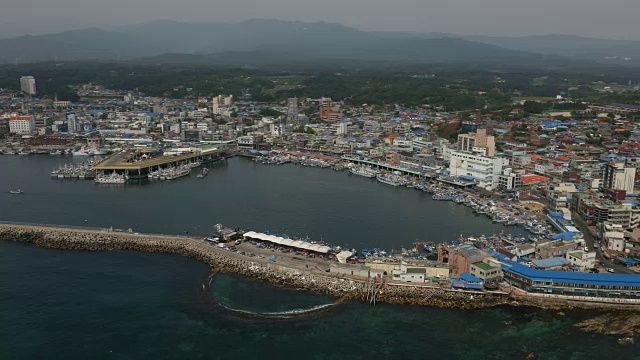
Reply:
x=219, y=259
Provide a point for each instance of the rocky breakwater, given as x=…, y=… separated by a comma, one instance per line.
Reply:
x=440, y=297
x=625, y=324
x=221, y=260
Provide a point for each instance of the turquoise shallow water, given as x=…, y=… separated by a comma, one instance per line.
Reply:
x=122, y=305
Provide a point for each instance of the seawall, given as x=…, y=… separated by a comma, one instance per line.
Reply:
x=301, y=278
x=323, y=283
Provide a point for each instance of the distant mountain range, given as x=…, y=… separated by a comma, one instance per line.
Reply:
x=259, y=43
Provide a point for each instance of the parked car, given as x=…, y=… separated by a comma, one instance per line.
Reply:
x=611, y=270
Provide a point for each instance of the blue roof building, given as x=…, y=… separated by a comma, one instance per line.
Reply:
x=572, y=283
x=553, y=262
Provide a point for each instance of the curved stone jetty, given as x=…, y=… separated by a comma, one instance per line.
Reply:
x=217, y=258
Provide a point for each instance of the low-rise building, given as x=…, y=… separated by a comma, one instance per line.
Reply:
x=412, y=275
x=582, y=259
x=488, y=270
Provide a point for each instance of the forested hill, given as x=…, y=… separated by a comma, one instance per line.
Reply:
x=260, y=43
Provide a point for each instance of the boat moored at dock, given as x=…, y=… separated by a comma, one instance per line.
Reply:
x=204, y=172
x=392, y=179
x=363, y=171
x=113, y=178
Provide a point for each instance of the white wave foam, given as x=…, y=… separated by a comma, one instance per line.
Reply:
x=280, y=313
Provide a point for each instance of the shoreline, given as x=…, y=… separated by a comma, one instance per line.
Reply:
x=341, y=287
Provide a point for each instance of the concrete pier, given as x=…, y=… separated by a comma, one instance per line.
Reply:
x=138, y=163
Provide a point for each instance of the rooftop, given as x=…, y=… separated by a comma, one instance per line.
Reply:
x=483, y=265
x=550, y=262
x=571, y=277
x=416, y=271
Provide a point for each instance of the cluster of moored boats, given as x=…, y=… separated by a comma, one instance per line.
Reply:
x=517, y=216
x=111, y=178
x=280, y=159
x=174, y=172
x=84, y=151
x=170, y=173
x=75, y=171
x=513, y=216
x=393, y=178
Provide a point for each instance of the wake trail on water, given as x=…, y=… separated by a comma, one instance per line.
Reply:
x=292, y=312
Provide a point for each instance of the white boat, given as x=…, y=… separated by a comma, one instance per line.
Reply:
x=203, y=173
x=391, y=179
x=177, y=173
x=113, y=178
x=99, y=152
x=81, y=152
x=363, y=171
x=16, y=191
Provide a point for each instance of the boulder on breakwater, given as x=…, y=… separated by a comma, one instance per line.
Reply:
x=93, y=240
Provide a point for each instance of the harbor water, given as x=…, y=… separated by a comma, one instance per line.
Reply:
x=127, y=305
x=321, y=204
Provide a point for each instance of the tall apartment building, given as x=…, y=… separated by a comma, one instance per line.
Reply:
x=220, y=102
x=474, y=158
x=28, y=85
x=292, y=110
x=617, y=176
x=478, y=143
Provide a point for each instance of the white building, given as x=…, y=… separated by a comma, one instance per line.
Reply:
x=582, y=259
x=72, y=123
x=484, y=170
x=277, y=129
x=22, y=124
x=510, y=179
x=343, y=128
x=410, y=275
x=619, y=177
x=614, y=240
x=28, y=85
x=247, y=142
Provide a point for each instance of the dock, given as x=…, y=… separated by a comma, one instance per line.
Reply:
x=383, y=166
x=139, y=162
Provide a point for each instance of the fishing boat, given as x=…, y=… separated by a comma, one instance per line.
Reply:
x=204, y=172
x=391, y=179
x=363, y=171
x=113, y=178
x=16, y=191
x=177, y=173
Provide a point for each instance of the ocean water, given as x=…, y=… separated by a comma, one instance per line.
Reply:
x=59, y=304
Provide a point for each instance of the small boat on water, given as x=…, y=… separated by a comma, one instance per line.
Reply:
x=16, y=191
x=203, y=173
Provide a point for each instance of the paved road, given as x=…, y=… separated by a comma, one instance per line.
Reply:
x=590, y=240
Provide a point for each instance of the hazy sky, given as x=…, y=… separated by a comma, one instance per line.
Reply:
x=598, y=18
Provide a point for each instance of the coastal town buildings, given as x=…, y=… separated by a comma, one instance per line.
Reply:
x=539, y=175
